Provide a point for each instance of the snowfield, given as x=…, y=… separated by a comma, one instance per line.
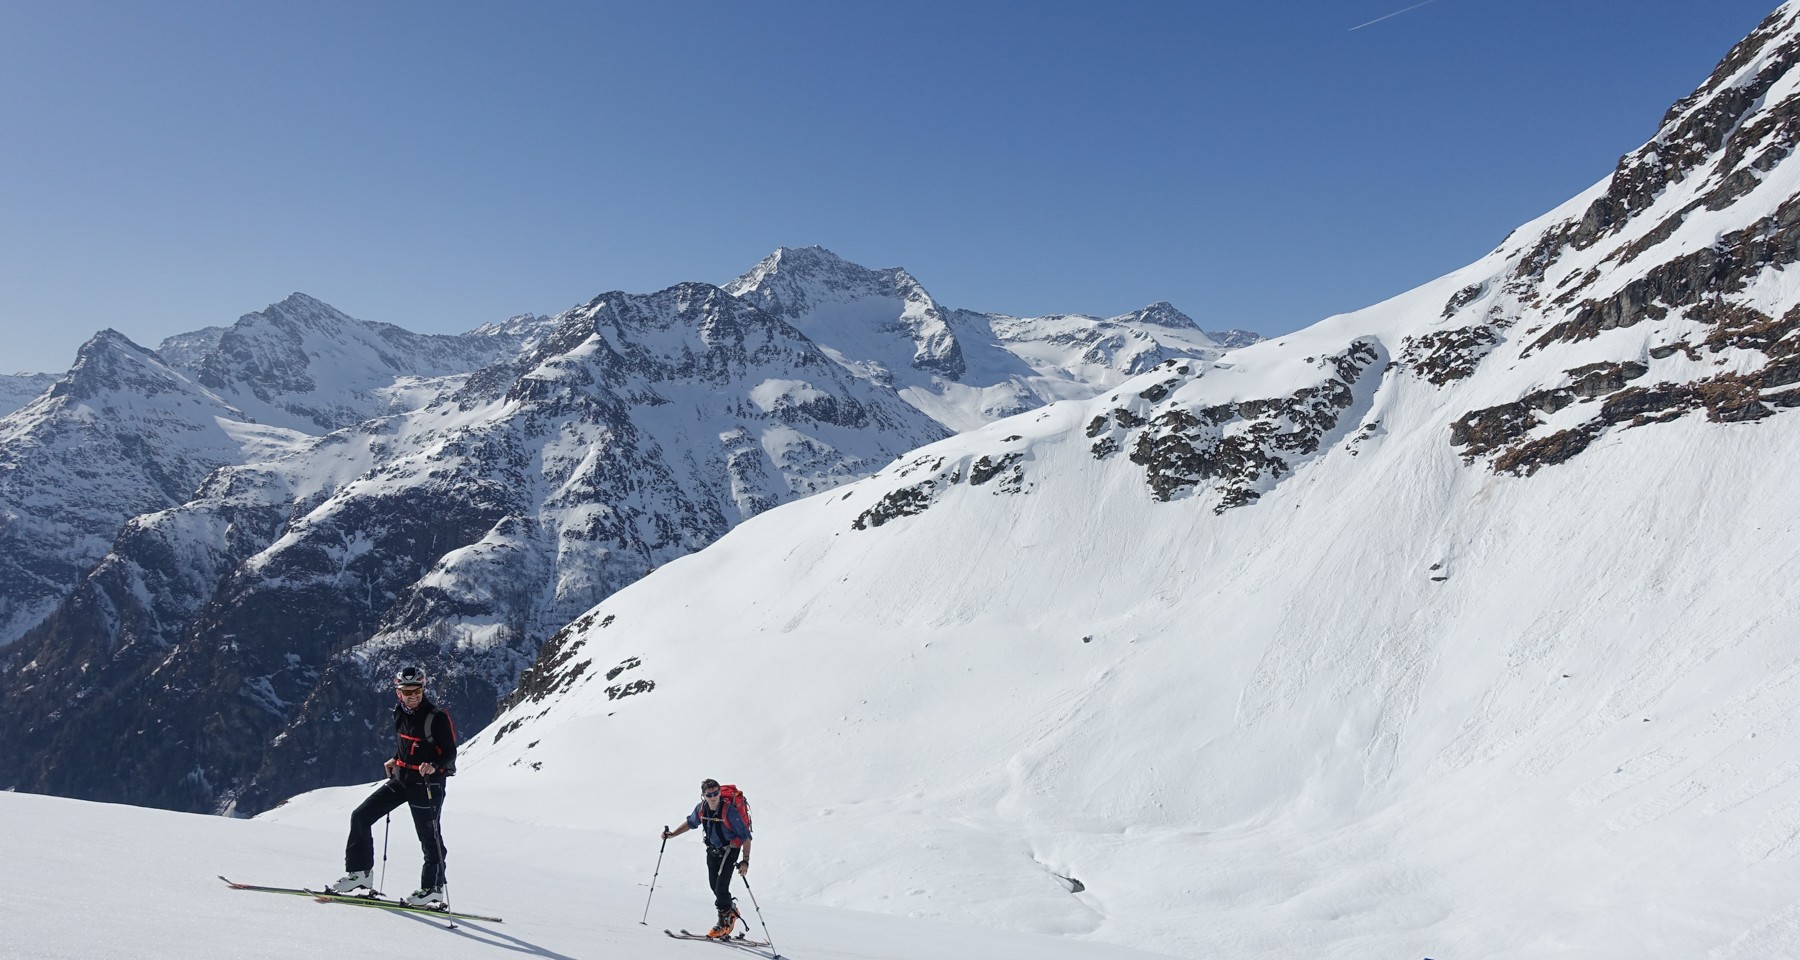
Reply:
x=1452, y=714
x=88, y=881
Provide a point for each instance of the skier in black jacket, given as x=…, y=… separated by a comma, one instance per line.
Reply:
x=424, y=754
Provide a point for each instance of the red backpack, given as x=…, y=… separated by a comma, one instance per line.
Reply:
x=731, y=797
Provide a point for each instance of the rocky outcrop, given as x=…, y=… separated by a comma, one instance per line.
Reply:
x=1232, y=453
x=1722, y=340
x=1447, y=355
x=1238, y=450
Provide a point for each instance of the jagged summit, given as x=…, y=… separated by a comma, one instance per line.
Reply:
x=963, y=367
x=795, y=283
x=780, y=272
x=303, y=364
x=1162, y=313
x=111, y=361
x=298, y=307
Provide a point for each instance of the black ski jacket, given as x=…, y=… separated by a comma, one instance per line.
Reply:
x=424, y=735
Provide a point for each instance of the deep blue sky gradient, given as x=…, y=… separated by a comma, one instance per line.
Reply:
x=167, y=166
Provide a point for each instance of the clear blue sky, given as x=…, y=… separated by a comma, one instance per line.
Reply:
x=171, y=165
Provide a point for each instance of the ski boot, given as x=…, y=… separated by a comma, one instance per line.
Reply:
x=429, y=899
x=354, y=884
x=727, y=921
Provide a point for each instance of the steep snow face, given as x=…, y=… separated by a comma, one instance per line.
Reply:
x=883, y=321
x=305, y=365
x=119, y=435
x=963, y=368
x=459, y=535
x=1458, y=625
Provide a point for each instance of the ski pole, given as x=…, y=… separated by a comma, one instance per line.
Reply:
x=653, y=876
x=437, y=831
x=759, y=917
x=385, y=821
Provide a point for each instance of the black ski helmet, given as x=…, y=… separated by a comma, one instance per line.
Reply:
x=409, y=677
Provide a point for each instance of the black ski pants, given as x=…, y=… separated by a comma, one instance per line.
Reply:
x=720, y=862
x=426, y=801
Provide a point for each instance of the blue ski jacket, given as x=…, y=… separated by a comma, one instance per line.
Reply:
x=723, y=829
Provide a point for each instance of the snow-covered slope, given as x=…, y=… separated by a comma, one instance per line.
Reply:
x=963, y=368
x=88, y=881
x=1460, y=625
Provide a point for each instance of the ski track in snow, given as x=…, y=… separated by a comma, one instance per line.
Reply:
x=1776, y=936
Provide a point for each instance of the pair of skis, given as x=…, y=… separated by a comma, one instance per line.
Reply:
x=325, y=896
x=738, y=940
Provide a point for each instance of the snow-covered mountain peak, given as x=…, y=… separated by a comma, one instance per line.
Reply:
x=963, y=367
x=793, y=281
x=300, y=309
x=110, y=361
x=881, y=323
x=692, y=306
x=524, y=331
x=836, y=301
x=669, y=333
x=1162, y=313
x=303, y=364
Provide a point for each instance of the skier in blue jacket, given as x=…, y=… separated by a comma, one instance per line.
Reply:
x=727, y=833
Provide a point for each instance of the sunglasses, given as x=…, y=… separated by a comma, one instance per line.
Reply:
x=409, y=691
x=709, y=794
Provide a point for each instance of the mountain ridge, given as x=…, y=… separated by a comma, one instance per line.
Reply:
x=476, y=513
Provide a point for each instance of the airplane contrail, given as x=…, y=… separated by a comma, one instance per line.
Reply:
x=1392, y=15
